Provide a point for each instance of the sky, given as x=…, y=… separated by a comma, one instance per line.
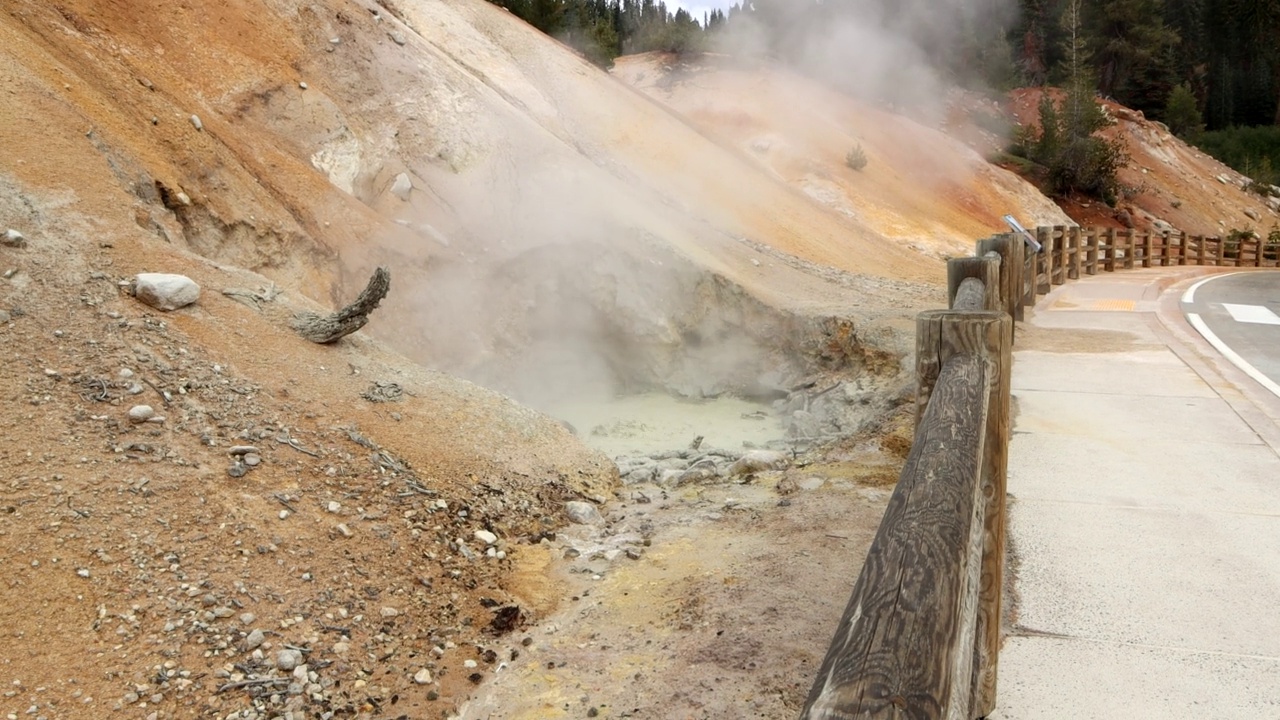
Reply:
x=698, y=8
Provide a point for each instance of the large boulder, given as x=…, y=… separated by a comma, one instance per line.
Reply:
x=165, y=291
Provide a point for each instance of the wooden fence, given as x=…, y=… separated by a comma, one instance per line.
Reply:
x=920, y=636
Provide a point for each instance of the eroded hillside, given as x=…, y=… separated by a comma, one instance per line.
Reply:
x=547, y=228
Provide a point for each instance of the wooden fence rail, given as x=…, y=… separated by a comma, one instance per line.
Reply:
x=920, y=636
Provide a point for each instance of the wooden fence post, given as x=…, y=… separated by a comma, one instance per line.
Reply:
x=1128, y=248
x=985, y=269
x=1006, y=247
x=1146, y=249
x=1047, y=253
x=1091, y=251
x=1111, y=250
x=1076, y=253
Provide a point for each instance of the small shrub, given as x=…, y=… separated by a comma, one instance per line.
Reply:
x=1271, y=249
x=1231, y=243
x=856, y=158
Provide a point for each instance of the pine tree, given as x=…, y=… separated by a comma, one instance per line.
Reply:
x=1182, y=115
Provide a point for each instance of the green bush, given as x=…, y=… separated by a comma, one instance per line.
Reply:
x=1254, y=151
x=856, y=158
x=1073, y=157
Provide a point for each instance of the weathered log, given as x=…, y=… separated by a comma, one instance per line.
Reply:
x=904, y=646
x=325, y=329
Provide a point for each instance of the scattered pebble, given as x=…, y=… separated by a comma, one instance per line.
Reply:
x=302, y=85
x=255, y=639
x=422, y=677
x=13, y=238
x=583, y=513
x=486, y=537
x=141, y=413
x=195, y=122
x=334, y=506
x=165, y=291
x=288, y=659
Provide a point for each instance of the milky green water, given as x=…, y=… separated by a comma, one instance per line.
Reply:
x=654, y=422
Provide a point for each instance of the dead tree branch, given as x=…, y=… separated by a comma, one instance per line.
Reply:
x=325, y=329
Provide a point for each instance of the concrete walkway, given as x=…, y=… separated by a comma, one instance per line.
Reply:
x=1144, y=515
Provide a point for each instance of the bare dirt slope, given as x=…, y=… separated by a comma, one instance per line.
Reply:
x=530, y=207
x=1167, y=183
x=921, y=186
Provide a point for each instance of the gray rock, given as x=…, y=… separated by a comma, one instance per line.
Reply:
x=141, y=413
x=165, y=291
x=241, y=450
x=13, y=238
x=1253, y=214
x=402, y=187
x=757, y=461
x=1274, y=204
x=255, y=639
x=5, y=317
x=804, y=424
x=252, y=460
x=398, y=37
x=288, y=659
x=699, y=473
x=583, y=513
x=639, y=475
x=237, y=469
x=486, y=537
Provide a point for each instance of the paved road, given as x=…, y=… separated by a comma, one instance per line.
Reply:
x=1241, y=311
x=1144, y=518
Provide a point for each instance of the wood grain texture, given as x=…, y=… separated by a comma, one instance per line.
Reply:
x=1111, y=250
x=1091, y=252
x=998, y=334
x=1074, y=247
x=904, y=646
x=984, y=270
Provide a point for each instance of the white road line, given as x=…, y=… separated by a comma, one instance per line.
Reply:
x=1190, y=295
x=1256, y=314
x=1228, y=353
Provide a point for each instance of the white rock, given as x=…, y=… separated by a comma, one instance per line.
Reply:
x=402, y=187
x=389, y=612
x=334, y=506
x=423, y=677
x=583, y=513
x=302, y=85
x=486, y=537
x=165, y=291
x=758, y=461
x=141, y=413
x=288, y=659
x=195, y=121
x=13, y=238
x=398, y=38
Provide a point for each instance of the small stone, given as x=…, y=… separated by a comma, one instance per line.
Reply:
x=422, y=677
x=288, y=659
x=141, y=413
x=486, y=537
x=1253, y=214
x=13, y=238
x=343, y=530
x=165, y=291
x=237, y=470
x=255, y=639
x=83, y=572
x=469, y=664
x=302, y=85
x=284, y=514
x=334, y=506
x=184, y=198
x=5, y=317
x=246, y=618
x=583, y=513
x=253, y=460
x=402, y=187
x=241, y=450
x=195, y=122
x=388, y=612
x=398, y=38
